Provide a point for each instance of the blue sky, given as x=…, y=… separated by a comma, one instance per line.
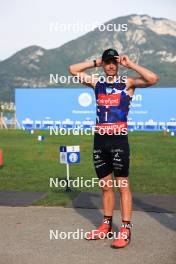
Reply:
x=25, y=23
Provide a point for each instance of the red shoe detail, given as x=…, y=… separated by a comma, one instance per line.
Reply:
x=103, y=231
x=123, y=238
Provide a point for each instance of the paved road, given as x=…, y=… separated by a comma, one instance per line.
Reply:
x=24, y=237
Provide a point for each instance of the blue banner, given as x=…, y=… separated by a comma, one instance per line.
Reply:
x=70, y=105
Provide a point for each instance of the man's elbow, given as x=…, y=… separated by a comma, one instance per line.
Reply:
x=154, y=79
x=72, y=70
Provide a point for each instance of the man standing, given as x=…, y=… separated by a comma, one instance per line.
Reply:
x=111, y=152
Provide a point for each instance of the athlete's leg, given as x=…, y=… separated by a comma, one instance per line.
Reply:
x=125, y=198
x=108, y=195
x=103, y=168
x=124, y=235
x=108, y=205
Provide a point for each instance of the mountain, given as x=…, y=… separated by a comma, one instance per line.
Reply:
x=148, y=41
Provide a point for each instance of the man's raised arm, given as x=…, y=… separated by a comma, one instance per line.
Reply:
x=146, y=78
x=79, y=71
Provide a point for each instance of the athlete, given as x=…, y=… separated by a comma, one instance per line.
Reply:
x=111, y=153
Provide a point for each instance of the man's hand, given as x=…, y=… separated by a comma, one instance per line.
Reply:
x=99, y=62
x=124, y=61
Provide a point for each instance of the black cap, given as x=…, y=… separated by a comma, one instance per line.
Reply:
x=109, y=54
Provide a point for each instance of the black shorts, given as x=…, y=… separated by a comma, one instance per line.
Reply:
x=111, y=153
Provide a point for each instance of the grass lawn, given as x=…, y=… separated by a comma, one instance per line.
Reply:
x=29, y=164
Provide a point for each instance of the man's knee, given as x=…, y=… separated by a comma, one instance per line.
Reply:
x=107, y=186
x=123, y=184
x=106, y=183
x=124, y=189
